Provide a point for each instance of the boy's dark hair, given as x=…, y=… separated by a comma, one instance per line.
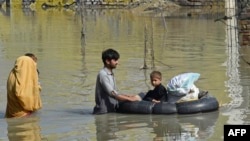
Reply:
x=156, y=74
x=110, y=54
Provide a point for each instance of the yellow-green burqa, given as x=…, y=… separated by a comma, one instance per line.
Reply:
x=23, y=88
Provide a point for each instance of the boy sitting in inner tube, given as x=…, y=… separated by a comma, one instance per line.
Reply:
x=159, y=93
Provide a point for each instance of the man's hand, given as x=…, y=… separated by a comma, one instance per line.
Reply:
x=156, y=101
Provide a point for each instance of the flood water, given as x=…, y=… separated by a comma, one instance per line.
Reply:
x=174, y=44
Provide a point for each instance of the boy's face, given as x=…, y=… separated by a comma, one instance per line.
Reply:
x=155, y=81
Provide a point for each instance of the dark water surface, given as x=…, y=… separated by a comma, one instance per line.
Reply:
x=68, y=69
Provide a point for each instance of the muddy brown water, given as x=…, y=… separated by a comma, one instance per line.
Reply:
x=175, y=44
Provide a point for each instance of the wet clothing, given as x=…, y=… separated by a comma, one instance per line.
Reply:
x=23, y=89
x=104, y=99
x=158, y=93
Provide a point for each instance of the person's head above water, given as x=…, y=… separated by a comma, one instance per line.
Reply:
x=110, y=54
x=32, y=56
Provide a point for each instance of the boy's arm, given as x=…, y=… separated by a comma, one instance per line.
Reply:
x=149, y=95
x=147, y=98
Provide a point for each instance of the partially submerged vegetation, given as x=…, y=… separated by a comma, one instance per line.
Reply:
x=152, y=6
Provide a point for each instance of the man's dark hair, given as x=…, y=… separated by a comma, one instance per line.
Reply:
x=110, y=54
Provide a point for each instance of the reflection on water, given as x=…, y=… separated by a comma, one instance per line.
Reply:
x=157, y=128
x=234, y=87
x=23, y=129
x=68, y=65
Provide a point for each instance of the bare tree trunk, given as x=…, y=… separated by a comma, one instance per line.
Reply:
x=82, y=8
x=145, y=47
